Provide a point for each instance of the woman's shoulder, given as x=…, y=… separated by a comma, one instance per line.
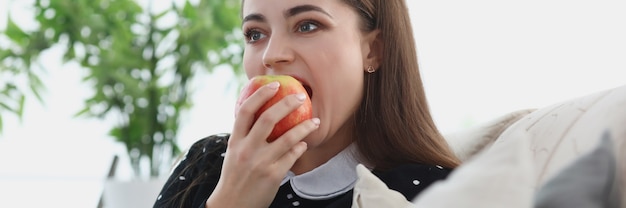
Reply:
x=412, y=178
x=208, y=151
x=211, y=141
x=213, y=144
x=196, y=172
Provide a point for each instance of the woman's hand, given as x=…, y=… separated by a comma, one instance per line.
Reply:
x=253, y=168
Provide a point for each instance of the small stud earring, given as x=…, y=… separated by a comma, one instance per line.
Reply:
x=370, y=69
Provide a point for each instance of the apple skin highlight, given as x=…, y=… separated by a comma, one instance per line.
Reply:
x=288, y=86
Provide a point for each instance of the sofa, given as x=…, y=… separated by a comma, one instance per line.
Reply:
x=569, y=154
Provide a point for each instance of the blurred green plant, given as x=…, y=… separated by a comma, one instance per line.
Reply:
x=17, y=70
x=139, y=62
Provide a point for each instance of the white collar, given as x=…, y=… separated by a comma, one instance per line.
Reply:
x=333, y=178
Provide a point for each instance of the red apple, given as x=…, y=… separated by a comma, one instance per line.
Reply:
x=288, y=86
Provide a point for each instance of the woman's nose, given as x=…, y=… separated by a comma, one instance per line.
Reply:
x=278, y=52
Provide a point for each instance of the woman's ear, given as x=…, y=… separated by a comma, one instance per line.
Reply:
x=372, y=49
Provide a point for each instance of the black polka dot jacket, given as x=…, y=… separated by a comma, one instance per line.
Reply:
x=207, y=155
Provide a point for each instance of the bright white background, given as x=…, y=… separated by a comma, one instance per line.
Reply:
x=479, y=59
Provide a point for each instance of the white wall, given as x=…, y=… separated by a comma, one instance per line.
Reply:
x=484, y=58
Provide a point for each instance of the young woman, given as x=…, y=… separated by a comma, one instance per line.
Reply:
x=359, y=61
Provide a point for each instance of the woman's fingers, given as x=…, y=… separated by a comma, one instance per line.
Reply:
x=268, y=119
x=291, y=138
x=253, y=164
x=245, y=114
x=289, y=147
x=286, y=161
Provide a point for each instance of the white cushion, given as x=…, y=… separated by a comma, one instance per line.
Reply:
x=564, y=131
x=526, y=153
x=371, y=192
x=466, y=143
x=497, y=177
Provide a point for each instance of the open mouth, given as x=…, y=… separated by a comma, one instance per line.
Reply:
x=308, y=90
x=306, y=86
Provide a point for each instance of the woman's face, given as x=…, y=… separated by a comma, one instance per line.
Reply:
x=318, y=42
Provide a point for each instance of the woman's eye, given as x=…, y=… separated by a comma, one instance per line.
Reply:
x=253, y=36
x=307, y=27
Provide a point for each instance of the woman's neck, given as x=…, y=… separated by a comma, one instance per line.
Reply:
x=316, y=156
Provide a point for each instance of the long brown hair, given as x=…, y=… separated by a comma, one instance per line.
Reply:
x=394, y=124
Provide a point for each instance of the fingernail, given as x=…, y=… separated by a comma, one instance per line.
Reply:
x=301, y=96
x=273, y=85
x=316, y=121
x=303, y=146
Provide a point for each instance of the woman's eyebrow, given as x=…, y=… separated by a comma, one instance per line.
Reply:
x=304, y=8
x=289, y=13
x=254, y=17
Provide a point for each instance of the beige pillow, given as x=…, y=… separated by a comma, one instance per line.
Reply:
x=523, y=156
x=371, y=192
x=500, y=176
x=564, y=131
x=466, y=143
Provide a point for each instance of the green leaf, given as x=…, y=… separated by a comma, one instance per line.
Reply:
x=84, y=112
x=158, y=16
x=1, y=124
x=189, y=11
x=5, y=53
x=7, y=107
x=35, y=86
x=20, y=108
x=15, y=33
